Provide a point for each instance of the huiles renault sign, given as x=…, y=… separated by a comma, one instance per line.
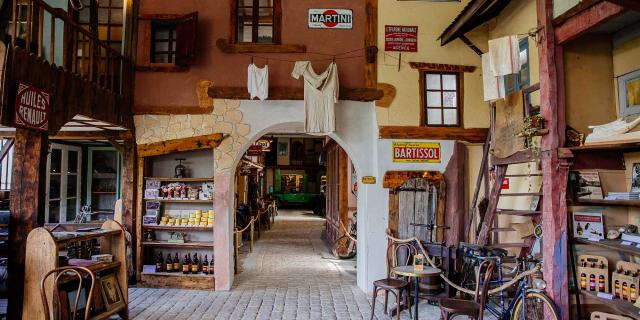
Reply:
x=330, y=18
x=32, y=107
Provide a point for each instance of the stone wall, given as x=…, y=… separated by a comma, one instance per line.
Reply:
x=226, y=118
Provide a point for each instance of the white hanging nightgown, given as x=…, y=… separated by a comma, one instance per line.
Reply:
x=258, y=82
x=320, y=96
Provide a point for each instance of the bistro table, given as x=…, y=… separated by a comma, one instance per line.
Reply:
x=409, y=271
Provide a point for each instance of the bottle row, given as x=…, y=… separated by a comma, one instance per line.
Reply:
x=188, y=265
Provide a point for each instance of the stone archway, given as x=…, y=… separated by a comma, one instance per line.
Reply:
x=356, y=134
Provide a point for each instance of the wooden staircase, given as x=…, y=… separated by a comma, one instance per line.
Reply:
x=488, y=229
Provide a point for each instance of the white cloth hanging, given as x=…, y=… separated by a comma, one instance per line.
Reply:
x=258, y=82
x=504, y=55
x=493, y=86
x=320, y=96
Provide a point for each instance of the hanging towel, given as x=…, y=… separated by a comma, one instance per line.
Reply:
x=320, y=96
x=258, y=82
x=504, y=53
x=493, y=86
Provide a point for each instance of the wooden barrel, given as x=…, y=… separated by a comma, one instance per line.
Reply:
x=431, y=285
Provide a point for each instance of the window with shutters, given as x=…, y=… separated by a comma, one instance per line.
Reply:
x=172, y=41
x=257, y=21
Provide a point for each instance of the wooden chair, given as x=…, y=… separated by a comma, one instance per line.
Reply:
x=397, y=286
x=63, y=276
x=450, y=308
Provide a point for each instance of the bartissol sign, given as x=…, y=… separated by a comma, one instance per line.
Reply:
x=416, y=152
x=330, y=18
x=32, y=107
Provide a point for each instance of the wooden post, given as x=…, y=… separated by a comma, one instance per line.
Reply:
x=251, y=235
x=128, y=192
x=455, y=183
x=554, y=204
x=27, y=207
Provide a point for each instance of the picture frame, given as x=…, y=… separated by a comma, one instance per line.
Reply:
x=629, y=93
x=111, y=292
x=635, y=177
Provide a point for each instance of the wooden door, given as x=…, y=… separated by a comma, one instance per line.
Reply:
x=337, y=190
x=417, y=210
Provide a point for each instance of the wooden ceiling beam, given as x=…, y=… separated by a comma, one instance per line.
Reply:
x=92, y=135
x=294, y=93
x=586, y=20
x=209, y=141
x=471, y=135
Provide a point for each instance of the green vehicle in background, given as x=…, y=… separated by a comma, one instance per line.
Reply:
x=298, y=189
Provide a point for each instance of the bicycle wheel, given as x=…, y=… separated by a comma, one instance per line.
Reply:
x=343, y=248
x=538, y=307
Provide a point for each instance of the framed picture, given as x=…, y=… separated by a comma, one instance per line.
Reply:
x=629, y=93
x=111, y=293
x=635, y=178
x=283, y=148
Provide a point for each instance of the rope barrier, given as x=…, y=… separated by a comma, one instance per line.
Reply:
x=503, y=287
x=347, y=233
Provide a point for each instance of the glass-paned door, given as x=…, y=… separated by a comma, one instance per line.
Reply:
x=63, y=183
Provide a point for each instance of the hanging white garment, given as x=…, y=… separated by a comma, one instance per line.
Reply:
x=258, y=82
x=493, y=86
x=504, y=55
x=320, y=96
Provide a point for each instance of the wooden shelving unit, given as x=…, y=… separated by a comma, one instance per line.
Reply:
x=616, y=305
x=43, y=247
x=165, y=244
x=199, y=239
x=596, y=202
x=610, y=244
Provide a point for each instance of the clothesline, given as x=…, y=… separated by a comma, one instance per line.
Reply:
x=293, y=61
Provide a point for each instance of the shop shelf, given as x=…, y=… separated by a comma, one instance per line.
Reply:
x=180, y=179
x=190, y=244
x=177, y=228
x=177, y=274
x=618, y=305
x=610, y=244
x=181, y=201
x=598, y=202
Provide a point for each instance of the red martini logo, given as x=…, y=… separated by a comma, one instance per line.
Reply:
x=330, y=18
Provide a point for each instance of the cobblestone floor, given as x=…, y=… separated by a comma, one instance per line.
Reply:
x=289, y=275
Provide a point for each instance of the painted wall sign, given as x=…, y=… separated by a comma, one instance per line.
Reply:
x=32, y=107
x=416, y=152
x=330, y=18
x=401, y=38
x=254, y=150
x=368, y=180
x=265, y=144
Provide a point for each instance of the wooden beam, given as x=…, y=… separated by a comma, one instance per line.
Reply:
x=91, y=135
x=470, y=44
x=395, y=179
x=294, y=93
x=178, y=145
x=586, y=20
x=370, y=43
x=27, y=207
x=166, y=110
x=128, y=191
x=424, y=66
x=628, y=4
x=226, y=47
x=471, y=135
x=455, y=176
x=554, y=170
x=389, y=91
x=581, y=6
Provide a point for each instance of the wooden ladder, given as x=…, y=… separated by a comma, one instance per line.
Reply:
x=487, y=225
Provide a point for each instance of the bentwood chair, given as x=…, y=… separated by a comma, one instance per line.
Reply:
x=450, y=308
x=398, y=254
x=64, y=275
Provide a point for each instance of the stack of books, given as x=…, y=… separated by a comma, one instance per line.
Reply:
x=623, y=196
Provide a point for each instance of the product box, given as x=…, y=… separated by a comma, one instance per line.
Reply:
x=588, y=223
x=102, y=257
x=150, y=220
x=625, y=287
x=593, y=273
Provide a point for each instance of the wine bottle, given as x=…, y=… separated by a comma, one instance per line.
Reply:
x=185, y=265
x=205, y=265
x=159, y=263
x=176, y=263
x=195, y=265
x=168, y=263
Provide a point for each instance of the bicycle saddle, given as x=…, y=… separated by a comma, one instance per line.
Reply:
x=499, y=252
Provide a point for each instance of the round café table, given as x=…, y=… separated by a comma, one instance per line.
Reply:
x=409, y=271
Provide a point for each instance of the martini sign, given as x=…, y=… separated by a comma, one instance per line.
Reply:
x=330, y=19
x=32, y=107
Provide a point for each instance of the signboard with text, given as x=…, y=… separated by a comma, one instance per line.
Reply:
x=254, y=150
x=32, y=107
x=265, y=144
x=401, y=38
x=330, y=19
x=428, y=152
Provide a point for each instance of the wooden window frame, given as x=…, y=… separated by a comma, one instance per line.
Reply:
x=459, y=100
x=277, y=23
x=171, y=47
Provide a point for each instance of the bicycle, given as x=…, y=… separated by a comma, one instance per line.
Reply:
x=529, y=302
x=345, y=246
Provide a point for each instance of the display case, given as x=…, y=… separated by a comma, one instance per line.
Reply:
x=104, y=168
